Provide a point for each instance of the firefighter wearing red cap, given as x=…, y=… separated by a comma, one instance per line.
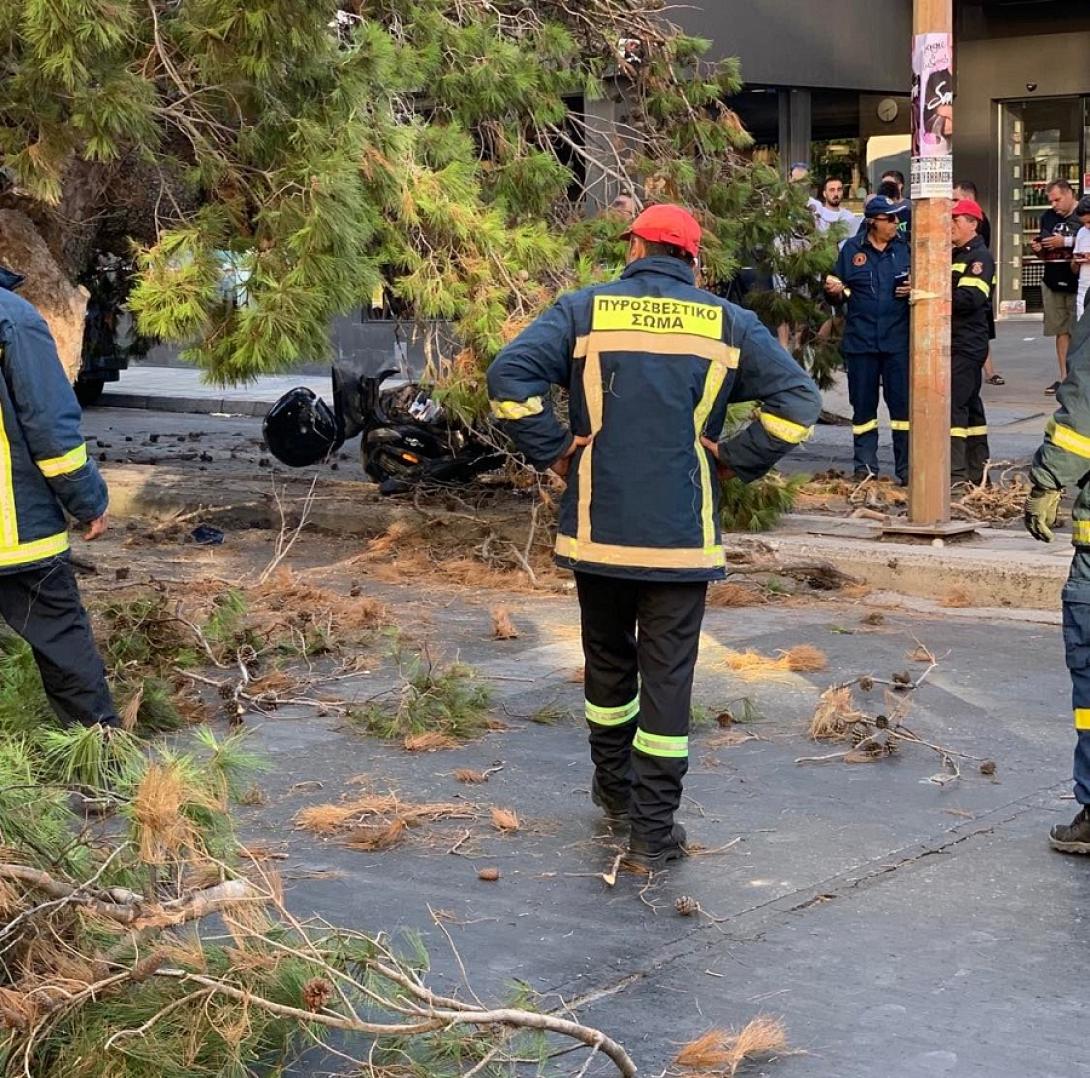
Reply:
x=650, y=363
x=971, y=323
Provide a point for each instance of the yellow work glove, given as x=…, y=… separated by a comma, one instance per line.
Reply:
x=1042, y=507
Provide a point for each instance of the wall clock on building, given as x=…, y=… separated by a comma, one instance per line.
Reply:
x=887, y=110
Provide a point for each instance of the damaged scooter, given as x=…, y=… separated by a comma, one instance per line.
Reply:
x=407, y=438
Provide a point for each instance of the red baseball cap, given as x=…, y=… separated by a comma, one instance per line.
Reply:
x=968, y=208
x=670, y=224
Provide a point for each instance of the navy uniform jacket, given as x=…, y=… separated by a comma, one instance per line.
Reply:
x=971, y=323
x=650, y=362
x=44, y=468
x=875, y=319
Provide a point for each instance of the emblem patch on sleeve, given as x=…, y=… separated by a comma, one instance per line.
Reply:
x=976, y=269
x=860, y=259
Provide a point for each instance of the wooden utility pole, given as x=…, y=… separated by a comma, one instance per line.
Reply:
x=932, y=183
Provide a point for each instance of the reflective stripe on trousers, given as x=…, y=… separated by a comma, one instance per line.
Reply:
x=643, y=761
x=1076, y=631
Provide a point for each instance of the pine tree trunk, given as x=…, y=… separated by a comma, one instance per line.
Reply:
x=62, y=304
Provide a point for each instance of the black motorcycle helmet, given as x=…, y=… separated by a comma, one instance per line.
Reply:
x=301, y=429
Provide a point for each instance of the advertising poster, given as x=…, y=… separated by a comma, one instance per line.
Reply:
x=932, y=116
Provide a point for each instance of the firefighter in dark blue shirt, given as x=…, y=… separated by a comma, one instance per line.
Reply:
x=871, y=279
x=650, y=363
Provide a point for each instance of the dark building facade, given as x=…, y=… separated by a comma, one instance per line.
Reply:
x=828, y=83
x=1022, y=119
x=817, y=88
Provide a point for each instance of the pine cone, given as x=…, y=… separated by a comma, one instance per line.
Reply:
x=686, y=905
x=316, y=994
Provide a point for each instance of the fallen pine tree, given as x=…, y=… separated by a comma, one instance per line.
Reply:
x=102, y=974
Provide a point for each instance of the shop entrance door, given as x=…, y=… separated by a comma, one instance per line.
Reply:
x=1041, y=141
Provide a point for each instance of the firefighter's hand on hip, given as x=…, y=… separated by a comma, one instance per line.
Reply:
x=562, y=465
x=724, y=470
x=96, y=528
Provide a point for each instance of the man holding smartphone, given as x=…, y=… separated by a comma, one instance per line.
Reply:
x=1055, y=244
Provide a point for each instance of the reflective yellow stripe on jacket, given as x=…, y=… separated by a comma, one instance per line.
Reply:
x=1064, y=437
x=72, y=461
x=12, y=552
x=785, y=429
x=39, y=550
x=976, y=282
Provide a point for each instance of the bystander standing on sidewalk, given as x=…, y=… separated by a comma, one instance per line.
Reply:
x=829, y=211
x=1055, y=244
x=1081, y=261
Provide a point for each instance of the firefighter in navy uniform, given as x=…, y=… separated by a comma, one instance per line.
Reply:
x=1063, y=461
x=871, y=278
x=650, y=362
x=971, y=330
x=46, y=474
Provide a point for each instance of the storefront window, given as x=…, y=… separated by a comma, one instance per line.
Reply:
x=1042, y=141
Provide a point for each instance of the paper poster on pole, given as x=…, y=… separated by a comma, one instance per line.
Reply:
x=932, y=116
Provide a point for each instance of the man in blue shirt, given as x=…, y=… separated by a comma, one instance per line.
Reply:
x=871, y=280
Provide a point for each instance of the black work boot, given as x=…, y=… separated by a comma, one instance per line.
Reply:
x=1073, y=837
x=615, y=807
x=654, y=857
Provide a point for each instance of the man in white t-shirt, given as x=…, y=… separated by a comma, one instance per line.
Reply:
x=829, y=211
x=1080, y=261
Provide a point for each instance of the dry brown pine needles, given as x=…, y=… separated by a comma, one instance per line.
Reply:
x=503, y=628
x=721, y=1052
x=956, y=597
x=735, y=595
x=505, y=820
x=753, y=666
x=835, y=714
x=432, y=741
x=376, y=821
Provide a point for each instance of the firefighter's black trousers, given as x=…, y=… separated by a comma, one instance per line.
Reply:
x=968, y=423
x=640, y=640
x=43, y=606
